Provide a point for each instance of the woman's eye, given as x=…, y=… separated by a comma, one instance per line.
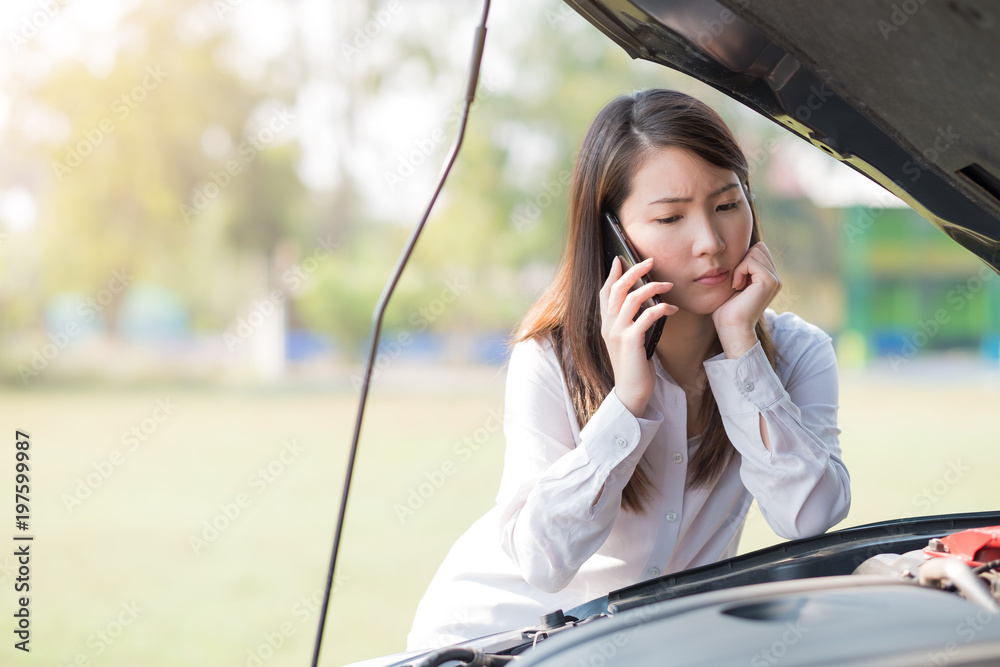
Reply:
x=673, y=218
x=728, y=207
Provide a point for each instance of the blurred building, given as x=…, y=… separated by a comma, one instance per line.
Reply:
x=909, y=288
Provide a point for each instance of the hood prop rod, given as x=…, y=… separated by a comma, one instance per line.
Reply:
x=383, y=302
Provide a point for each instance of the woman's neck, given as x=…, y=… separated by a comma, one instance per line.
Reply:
x=686, y=341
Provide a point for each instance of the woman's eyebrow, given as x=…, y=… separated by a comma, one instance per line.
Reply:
x=674, y=200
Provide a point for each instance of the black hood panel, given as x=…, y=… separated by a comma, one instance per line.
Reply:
x=904, y=92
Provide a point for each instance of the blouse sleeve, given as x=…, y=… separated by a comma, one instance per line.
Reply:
x=553, y=473
x=801, y=483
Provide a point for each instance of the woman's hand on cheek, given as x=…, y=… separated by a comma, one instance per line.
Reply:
x=625, y=338
x=758, y=283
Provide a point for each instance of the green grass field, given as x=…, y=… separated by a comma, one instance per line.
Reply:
x=119, y=578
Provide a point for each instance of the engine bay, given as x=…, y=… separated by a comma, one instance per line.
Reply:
x=913, y=591
x=965, y=562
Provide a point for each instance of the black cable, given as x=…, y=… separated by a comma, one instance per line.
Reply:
x=986, y=567
x=470, y=657
x=470, y=94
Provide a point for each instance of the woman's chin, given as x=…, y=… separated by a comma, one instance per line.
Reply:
x=706, y=305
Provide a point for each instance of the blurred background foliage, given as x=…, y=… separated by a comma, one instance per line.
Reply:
x=216, y=151
x=144, y=146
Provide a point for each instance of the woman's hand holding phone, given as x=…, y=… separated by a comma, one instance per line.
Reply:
x=624, y=334
x=757, y=283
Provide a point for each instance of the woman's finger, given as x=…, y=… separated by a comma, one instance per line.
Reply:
x=634, y=299
x=741, y=274
x=762, y=249
x=621, y=287
x=653, y=313
x=613, y=276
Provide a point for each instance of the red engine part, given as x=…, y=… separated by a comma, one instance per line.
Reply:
x=975, y=546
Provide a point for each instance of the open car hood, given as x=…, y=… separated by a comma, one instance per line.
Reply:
x=879, y=86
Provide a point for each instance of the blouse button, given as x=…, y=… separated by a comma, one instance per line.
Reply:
x=748, y=385
x=671, y=516
x=654, y=571
x=678, y=457
x=622, y=443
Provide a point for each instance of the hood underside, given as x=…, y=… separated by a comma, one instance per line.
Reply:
x=905, y=92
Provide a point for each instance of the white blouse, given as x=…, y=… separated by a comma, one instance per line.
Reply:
x=546, y=545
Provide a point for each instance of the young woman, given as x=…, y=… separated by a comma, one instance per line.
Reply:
x=619, y=467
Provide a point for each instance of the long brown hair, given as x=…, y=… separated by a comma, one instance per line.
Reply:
x=622, y=136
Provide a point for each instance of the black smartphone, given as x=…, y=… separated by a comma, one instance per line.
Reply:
x=616, y=244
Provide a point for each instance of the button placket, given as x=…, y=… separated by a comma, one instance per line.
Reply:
x=667, y=524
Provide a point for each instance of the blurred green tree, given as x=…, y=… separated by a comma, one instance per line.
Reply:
x=169, y=171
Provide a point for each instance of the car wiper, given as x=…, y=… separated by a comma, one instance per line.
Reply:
x=383, y=302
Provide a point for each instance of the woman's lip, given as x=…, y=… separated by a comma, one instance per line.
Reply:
x=713, y=278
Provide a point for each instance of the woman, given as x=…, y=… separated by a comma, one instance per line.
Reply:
x=619, y=467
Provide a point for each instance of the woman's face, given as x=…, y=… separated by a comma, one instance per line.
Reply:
x=694, y=220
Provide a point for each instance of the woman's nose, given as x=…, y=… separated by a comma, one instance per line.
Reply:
x=708, y=240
